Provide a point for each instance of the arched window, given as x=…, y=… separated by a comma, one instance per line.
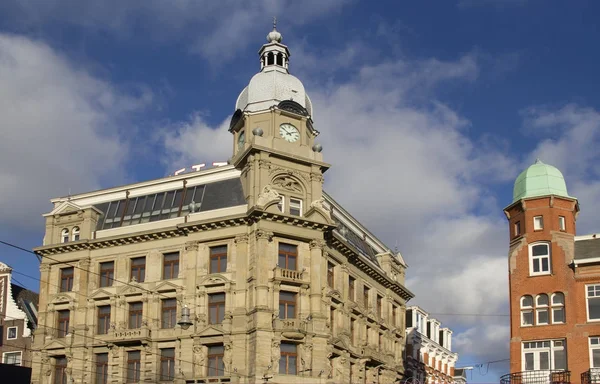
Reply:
x=75, y=233
x=541, y=309
x=539, y=259
x=270, y=58
x=280, y=59
x=558, y=308
x=526, y=310
x=64, y=237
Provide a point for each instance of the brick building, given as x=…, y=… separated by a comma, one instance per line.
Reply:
x=429, y=357
x=554, y=280
x=18, y=311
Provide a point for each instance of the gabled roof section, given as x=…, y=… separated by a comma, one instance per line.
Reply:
x=66, y=207
x=587, y=247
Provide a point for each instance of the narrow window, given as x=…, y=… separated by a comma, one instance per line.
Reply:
x=64, y=236
x=167, y=364
x=107, y=273
x=11, y=333
x=351, y=288
x=380, y=306
x=280, y=59
x=562, y=224
x=169, y=313
x=12, y=358
x=595, y=351
x=63, y=322
x=218, y=259
x=539, y=259
x=102, y=368
x=541, y=309
x=138, y=269
x=288, y=362
x=1, y=334
x=331, y=317
x=330, y=268
x=136, y=310
x=526, y=310
x=287, y=305
x=216, y=367
x=593, y=302
x=288, y=255
x=281, y=204
x=394, y=322
x=103, y=319
x=558, y=308
x=352, y=330
x=170, y=265
x=75, y=233
x=133, y=366
x=216, y=307
x=60, y=370
x=66, y=279
x=517, y=228
x=366, y=296
x=538, y=223
x=295, y=207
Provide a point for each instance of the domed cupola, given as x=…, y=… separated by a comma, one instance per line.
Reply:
x=540, y=180
x=273, y=84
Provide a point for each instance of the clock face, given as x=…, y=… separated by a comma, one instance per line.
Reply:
x=241, y=139
x=288, y=132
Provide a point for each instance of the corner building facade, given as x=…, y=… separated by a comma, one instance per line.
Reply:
x=243, y=273
x=554, y=279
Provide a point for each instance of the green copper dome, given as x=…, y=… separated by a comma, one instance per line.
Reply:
x=539, y=180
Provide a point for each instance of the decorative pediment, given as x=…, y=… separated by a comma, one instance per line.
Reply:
x=211, y=330
x=100, y=294
x=56, y=344
x=335, y=295
x=319, y=213
x=287, y=183
x=214, y=279
x=341, y=342
x=130, y=290
x=66, y=207
x=61, y=298
x=167, y=286
x=268, y=197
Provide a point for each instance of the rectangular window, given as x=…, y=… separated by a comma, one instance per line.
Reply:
x=102, y=368
x=216, y=367
x=538, y=223
x=351, y=288
x=331, y=316
x=394, y=323
x=287, y=305
x=595, y=352
x=60, y=370
x=593, y=302
x=562, y=224
x=281, y=204
x=218, y=259
x=288, y=255
x=216, y=307
x=558, y=308
x=1, y=335
x=539, y=259
x=12, y=358
x=66, y=279
x=526, y=317
x=136, y=310
x=134, y=364
x=170, y=265
x=517, y=228
x=169, y=313
x=103, y=319
x=330, y=268
x=167, y=364
x=63, y=322
x=138, y=269
x=352, y=330
x=288, y=363
x=366, y=296
x=295, y=207
x=107, y=273
x=11, y=333
x=380, y=306
x=544, y=355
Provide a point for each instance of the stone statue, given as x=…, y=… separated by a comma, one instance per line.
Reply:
x=267, y=195
x=275, y=355
x=227, y=358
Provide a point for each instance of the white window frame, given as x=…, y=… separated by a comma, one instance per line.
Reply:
x=551, y=349
x=299, y=205
x=8, y=333
x=64, y=235
x=539, y=308
x=281, y=204
x=562, y=223
x=592, y=347
x=75, y=234
x=19, y=353
x=527, y=309
x=532, y=258
x=517, y=228
x=538, y=223
x=587, y=297
x=555, y=307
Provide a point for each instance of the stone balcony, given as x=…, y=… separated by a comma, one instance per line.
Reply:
x=291, y=328
x=129, y=336
x=289, y=276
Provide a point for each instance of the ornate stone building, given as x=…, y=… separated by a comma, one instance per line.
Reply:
x=244, y=273
x=554, y=281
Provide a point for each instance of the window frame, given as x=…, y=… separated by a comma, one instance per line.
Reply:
x=366, y=293
x=64, y=235
x=219, y=307
x=287, y=255
x=562, y=223
x=171, y=266
x=285, y=356
x=216, y=253
x=533, y=258
x=551, y=349
x=296, y=205
x=140, y=270
x=215, y=354
x=351, y=288
x=287, y=304
x=517, y=228
x=330, y=274
x=18, y=362
x=62, y=330
x=103, y=319
x=170, y=310
x=166, y=358
x=101, y=369
x=558, y=307
x=75, y=234
x=107, y=274
x=135, y=315
x=60, y=370
x=538, y=223
x=587, y=300
x=542, y=308
x=379, y=303
x=134, y=366
x=66, y=280
x=591, y=348
x=8, y=329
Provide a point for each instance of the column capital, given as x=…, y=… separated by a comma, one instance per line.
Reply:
x=320, y=244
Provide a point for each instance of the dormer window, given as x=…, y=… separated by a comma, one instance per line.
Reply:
x=64, y=236
x=75, y=233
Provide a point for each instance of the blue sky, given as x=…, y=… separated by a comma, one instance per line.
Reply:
x=428, y=112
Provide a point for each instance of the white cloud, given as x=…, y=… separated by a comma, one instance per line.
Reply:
x=59, y=129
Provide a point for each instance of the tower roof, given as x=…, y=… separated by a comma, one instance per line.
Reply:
x=540, y=179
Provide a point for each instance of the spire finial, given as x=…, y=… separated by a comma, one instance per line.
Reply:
x=274, y=36
x=274, y=22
